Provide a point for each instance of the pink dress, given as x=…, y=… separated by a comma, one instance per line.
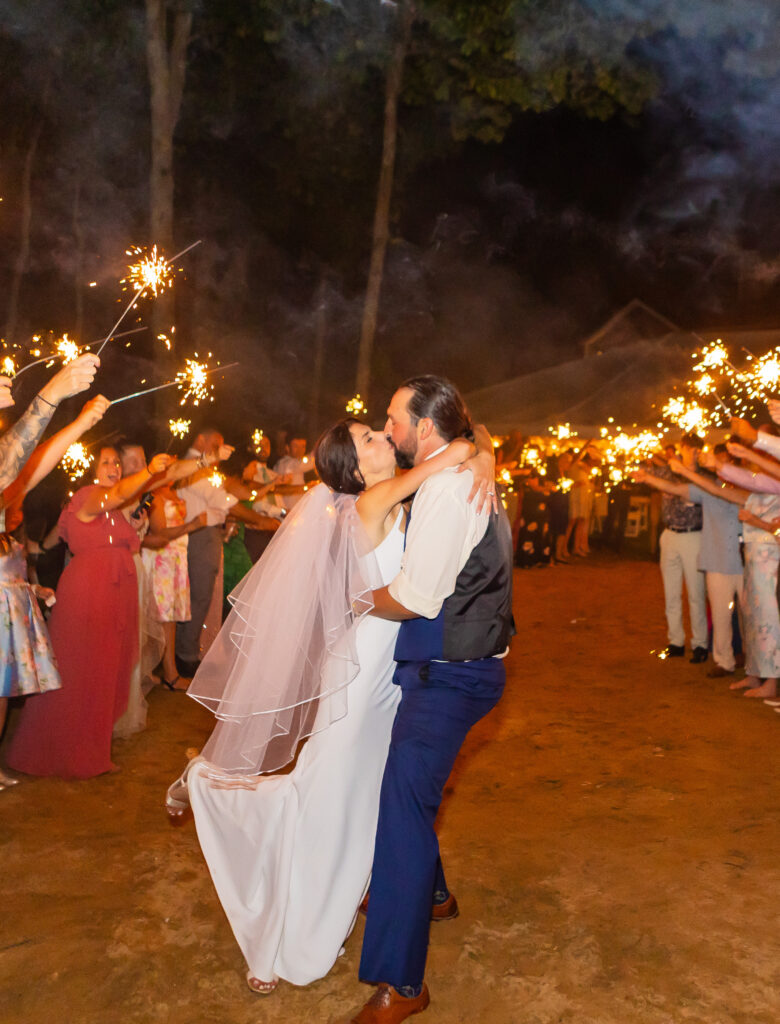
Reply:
x=94, y=633
x=167, y=569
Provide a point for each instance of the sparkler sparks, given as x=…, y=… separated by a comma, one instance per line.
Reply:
x=192, y=380
x=8, y=367
x=216, y=479
x=68, y=350
x=356, y=406
x=76, y=461
x=179, y=428
x=151, y=273
x=257, y=439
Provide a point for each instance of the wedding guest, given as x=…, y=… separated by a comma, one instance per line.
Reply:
x=296, y=465
x=27, y=662
x=94, y=632
x=719, y=553
x=202, y=494
x=680, y=546
x=164, y=553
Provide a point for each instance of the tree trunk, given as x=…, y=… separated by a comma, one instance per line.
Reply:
x=78, y=277
x=23, y=255
x=320, y=330
x=381, y=230
x=167, y=65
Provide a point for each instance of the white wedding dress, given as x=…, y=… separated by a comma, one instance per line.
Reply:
x=291, y=858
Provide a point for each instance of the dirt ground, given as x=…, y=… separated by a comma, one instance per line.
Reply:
x=611, y=833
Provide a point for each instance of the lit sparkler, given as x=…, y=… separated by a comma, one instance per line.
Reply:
x=192, y=380
x=257, y=439
x=170, y=384
x=67, y=350
x=146, y=274
x=8, y=367
x=217, y=479
x=179, y=428
x=356, y=406
x=151, y=273
x=76, y=461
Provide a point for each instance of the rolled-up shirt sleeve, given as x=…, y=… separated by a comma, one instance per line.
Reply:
x=442, y=532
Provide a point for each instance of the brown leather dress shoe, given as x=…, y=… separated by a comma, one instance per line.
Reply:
x=386, y=1006
x=439, y=911
x=445, y=911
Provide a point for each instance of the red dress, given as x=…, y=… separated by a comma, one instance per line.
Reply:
x=94, y=633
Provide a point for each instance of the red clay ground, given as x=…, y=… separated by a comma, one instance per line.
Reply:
x=612, y=837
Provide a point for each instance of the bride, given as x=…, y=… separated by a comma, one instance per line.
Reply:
x=290, y=855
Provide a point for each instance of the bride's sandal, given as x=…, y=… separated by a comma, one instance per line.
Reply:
x=261, y=988
x=177, y=799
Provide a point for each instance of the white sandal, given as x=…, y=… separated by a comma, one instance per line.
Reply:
x=261, y=988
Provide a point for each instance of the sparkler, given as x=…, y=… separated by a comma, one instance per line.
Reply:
x=179, y=428
x=8, y=367
x=68, y=350
x=168, y=384
x=76, y=461
x=146, y=274
x=216, y=479
x=257, y=439
x=192, y=380
x=356, y=406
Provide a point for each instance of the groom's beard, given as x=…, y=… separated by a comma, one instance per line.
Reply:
x=405, y=452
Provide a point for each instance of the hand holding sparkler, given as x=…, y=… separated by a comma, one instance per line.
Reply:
x=676, y=466
x=224, y=452
x=773, y=405
x=5, y=393
x=739, y=451
x=73, y=378
x=93, y=412
x=743, y=430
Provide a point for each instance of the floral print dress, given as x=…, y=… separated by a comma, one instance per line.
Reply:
x=167, y=569
x=27, y=662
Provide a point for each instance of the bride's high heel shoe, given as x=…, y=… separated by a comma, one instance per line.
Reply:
x=177, y=799
x=261, y=988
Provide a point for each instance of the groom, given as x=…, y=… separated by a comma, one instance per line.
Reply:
x=453, y=597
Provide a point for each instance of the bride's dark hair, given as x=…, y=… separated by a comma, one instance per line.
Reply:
x=335, y=457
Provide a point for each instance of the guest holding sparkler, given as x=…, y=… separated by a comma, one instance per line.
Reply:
x=164, y=553
x=94, y=632
x=203, y=493
x=680, y=546
x=27, y=662
x=296, y=465
x=719, y=555
x=759, y=497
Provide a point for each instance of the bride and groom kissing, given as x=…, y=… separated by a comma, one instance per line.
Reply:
x=378, y=633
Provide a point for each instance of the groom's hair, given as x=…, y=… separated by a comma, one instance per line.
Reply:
x=335, y=457
x=438, y=399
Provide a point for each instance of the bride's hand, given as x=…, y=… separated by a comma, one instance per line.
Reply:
x=483, y=491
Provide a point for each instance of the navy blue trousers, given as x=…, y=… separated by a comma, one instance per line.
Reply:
x=440, y=701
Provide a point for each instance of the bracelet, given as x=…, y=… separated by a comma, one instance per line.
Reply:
x=202, y=463
x=46, y=400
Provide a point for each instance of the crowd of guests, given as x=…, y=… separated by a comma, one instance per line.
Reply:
x=550, y=500
x=721, y=544
x=149, y=551
x=146, y=554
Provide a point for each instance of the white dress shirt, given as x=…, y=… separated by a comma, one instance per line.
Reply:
x=203, y=496
x=443, y=531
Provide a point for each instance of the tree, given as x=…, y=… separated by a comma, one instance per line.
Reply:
x=479, y=64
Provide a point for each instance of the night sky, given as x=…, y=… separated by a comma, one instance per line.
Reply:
x=504, y=255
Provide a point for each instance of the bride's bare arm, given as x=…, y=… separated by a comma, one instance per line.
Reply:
x=375, y=503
